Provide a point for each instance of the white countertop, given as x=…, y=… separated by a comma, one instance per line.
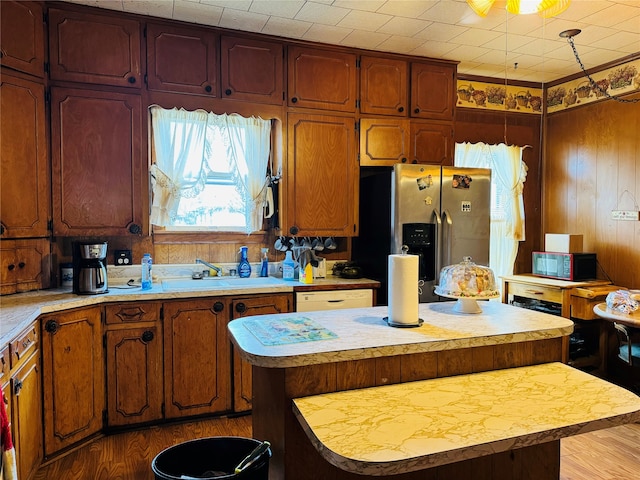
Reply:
x=19, y=310
x=405, y=427
x=362, y=333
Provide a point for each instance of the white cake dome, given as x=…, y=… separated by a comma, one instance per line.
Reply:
x=467, y=280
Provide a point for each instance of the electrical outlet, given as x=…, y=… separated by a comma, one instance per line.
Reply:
x=122, y=257
x=631, y=215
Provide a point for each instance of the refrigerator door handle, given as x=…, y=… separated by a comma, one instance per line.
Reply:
x=438, y=222
x=446, y=236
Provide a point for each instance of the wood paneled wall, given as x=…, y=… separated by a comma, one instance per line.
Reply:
x=489, y=127
x=591, y=167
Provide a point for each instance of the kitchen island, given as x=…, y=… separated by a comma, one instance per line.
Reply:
x=302, y=355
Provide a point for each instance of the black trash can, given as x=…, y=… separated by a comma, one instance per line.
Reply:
x=211, y=458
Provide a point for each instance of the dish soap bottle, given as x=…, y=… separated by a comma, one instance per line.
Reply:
x=264, y=269
x=288, y=267
x=147, y=279
x=244, y=268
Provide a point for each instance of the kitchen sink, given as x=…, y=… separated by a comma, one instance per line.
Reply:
x=216, y=283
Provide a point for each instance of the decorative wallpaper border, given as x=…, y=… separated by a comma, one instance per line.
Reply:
x=494, y=96
x=615, y=81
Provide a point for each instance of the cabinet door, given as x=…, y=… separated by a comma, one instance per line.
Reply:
x=182, y=60
x=322, y=79
x=87, y=48
x=384, y=141
x=73, y=377
x=22, y=37
x=7, y=267
x=27, y=416
x=383, y=86
x=134, y=375
x=244, y=307
x=25, y=265
x=197, y=362
x=432, y=142
x=252, y=70
x=97, y=163
x=322, y=176
x=33, y=264
x=433, y=94
x=24, y=178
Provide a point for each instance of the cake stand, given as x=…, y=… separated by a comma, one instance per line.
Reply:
x=467, y=304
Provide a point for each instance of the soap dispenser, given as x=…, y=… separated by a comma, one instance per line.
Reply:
x=288, y=267
x=244, y=268
x=264, y=268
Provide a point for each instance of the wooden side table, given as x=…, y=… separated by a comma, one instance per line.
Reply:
x=573, y=299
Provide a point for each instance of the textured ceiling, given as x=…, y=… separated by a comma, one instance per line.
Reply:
x=444, y=29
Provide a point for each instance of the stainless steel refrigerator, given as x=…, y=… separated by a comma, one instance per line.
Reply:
x=441, y=213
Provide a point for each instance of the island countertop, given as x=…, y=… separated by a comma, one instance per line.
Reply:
x=360, y=333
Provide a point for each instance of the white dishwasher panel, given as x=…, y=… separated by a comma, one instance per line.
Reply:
x=333, y=300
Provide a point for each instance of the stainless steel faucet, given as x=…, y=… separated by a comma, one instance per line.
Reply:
x=218, y=270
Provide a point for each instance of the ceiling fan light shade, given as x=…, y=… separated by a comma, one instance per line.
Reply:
x=556, y=7
x=481, y=7
x=544, y=8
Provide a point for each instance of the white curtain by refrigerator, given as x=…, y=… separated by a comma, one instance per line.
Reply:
x=508, y=174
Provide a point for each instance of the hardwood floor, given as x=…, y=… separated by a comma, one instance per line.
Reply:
x=612, y=454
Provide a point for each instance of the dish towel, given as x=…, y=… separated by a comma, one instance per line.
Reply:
x=8, y=468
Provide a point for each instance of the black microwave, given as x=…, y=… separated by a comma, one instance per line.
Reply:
x=565, y=266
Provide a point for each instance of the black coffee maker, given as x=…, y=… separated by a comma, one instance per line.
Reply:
x=90, y=268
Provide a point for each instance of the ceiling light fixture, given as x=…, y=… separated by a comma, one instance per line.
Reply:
x=544, y=8
x=569, y=34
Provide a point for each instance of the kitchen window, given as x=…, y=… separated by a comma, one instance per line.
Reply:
x=508, y=174
x=208, y=171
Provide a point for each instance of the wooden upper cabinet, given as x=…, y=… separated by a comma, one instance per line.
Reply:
x=322, y=176
x=252, y=70
x=24, y=265
x=97, y=163
x=433, y=94
x=384, y=141
x=322, y=79
x=100, y=49
x=24, y=152
x=182, y=60
x=383, y=86
x=432, y=142
x=22, y=37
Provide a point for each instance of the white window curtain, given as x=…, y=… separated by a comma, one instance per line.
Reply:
x=180, y=135
x=249, y=143
x=509, y=172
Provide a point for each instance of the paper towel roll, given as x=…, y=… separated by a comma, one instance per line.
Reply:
x=403, y=289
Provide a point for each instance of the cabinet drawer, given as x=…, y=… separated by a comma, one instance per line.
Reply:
x=23, y=346
x=538, y=292
x=132, y=313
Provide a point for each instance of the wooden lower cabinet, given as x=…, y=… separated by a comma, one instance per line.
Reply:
x=197, y=357
x=244, y=307
x=27, y=416
x=133, y=342
x=22, y=393
x=73, y=377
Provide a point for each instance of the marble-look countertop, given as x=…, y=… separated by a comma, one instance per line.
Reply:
x=19, y=310
x=362, y=333
x=406, y=427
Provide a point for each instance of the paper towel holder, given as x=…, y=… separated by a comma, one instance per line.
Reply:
x=391, y=323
